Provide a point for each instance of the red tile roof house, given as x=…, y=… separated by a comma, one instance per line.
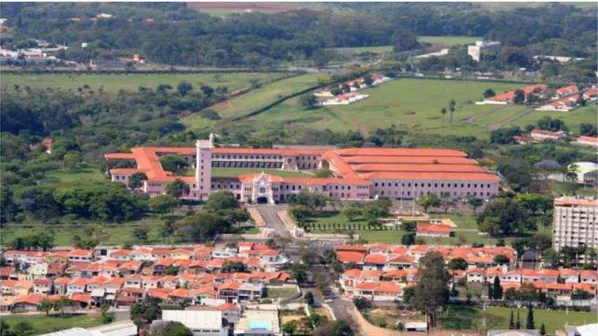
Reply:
x=27, y=303
x=540, y=135
x=507, y=97
x=374, y=261
x=378, y=291
x=584, y=140
x=434, y=230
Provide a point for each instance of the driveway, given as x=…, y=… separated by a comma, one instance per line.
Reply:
x=270, y=215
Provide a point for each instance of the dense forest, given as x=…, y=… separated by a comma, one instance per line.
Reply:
x=174, y=34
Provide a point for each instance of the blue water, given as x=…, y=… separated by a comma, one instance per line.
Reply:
x=258, y=325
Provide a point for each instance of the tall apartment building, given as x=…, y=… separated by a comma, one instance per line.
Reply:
x=575, y=223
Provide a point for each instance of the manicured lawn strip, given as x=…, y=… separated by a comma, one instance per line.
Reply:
x=358, y=50
x=562, y=188
x=131, y=82
x=234, y=172
x=466, y=317
x=52, y=323
x=449, y=41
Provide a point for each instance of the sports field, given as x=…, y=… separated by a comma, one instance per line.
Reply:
x=131, y=82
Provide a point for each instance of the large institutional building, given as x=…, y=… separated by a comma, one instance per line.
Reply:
x=359, y=173
x=575, y=223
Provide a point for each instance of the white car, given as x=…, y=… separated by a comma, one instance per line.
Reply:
x=328, y=301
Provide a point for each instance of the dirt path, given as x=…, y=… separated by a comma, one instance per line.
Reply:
x=473, y=119
x=511, y=118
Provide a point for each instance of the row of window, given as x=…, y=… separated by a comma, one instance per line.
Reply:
x=247, y=156
x=448, y=185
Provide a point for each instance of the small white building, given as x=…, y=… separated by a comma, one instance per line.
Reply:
x=201, y=322
x=345, y=99
x=476, y=51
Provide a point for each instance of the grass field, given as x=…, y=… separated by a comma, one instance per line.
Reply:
x=586, y=114
x=234, y=172
x=253, y=100
x=414, y=105
x=449, y=41
x=466, y=317
x=283, y=293
x=48, y=324
x=113, y=83
x=74, y=177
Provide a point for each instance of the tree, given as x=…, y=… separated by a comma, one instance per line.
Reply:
x=222, y=200
x=45, y=306
x=518, y=97
x=431, y=292
x=233, y=267
x=62, y=304
x=404, y=40
x=452, y=108
x=443, y=113
x=308, y=101
x=474, y=203
x=408, y=239
x=361, y=303
x=183, y=88
x=501, y=259
x=518, y=321
x=457, y=264
x=496, y=289
x=177, y=329
x=141, y=233
x=171, y=270
x=336, y=328
x=299, y=272
x=542, y=329
x=512, y=321
x=351, y=213
x=428, y=201
x=177, y=188
x=174, y=163
x=136, y=180
x=145, y=312
x=529, y=320
x=162, y=203
x=489, y=93
x=309, y=298
x=290, y=327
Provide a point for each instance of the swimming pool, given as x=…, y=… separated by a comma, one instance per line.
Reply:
x=260, y=325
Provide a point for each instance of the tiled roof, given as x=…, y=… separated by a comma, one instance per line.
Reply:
x=434, y=228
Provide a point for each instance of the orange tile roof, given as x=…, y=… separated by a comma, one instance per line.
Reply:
x=588, y=138
x=431, y=176
x=379, y=259
x=420, y=168
x=434, y=228
x=80, y=253
x=573, y=201
x=33, y=299
x=434, y=152
x=346, y=256
x=414, y=160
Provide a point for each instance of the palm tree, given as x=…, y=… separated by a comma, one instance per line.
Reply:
x=443, y=112
x=452, y=109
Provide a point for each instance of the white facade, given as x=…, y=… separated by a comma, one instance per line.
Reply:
x=575, y=223
x=475, y=51
x=201, y=322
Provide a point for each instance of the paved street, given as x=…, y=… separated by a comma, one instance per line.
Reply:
x=270, y=215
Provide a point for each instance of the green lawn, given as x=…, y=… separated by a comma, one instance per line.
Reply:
x=113, y=83
x=283, y=293
x=572, y=119
x=234, y=172
x=465, y=317
x=411, y=104
x=253, y=100
x=566, y=188
x=48, y=324
x=359, y=50
x=449, y=41
x=73, y=177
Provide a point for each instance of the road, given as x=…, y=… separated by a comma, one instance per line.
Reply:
x=270, y=215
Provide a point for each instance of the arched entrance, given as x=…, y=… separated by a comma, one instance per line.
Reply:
x=262, y=200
